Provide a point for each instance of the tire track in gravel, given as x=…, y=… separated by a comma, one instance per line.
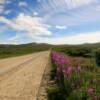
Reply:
x=13, y=70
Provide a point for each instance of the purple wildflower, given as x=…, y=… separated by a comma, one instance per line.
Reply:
x=68, y=72
x=90, y=91
x=59, y=72
x=95, y=98
x=78, y=68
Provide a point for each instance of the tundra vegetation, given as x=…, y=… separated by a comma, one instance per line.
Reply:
x=76, y=73
x=75, y=70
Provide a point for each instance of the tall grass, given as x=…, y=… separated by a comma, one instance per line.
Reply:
x=76, y=78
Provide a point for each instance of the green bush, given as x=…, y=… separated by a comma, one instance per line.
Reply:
x=55, y=93
x=53, y=71
x=78, y=95
x=97, y=56
x=85, y=52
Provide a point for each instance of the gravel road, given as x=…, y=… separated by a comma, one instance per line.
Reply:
x=20, y=77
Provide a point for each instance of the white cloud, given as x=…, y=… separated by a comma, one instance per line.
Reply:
x=53, y=6
x=74, y=17
x=61, y=14
x=8, y=1
x=35, y=13
x=39, y=1
x=61, y=27
x=2, y=1
x=27, y=24
x=22, y=4
x=77, y=3
x=2, y=28
x=70, y=13
x=80, y=38
x=1, y=9
x=14, y=40
x=9, y=42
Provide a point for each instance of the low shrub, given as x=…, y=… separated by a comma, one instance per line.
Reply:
x=97, y=56
x=85, y=52
x=53, y=71
x=55, y=93
x=74, y=82
x=78, y=95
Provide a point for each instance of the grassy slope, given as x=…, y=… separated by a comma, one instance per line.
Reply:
x=17, y=50
x=63, y=48
x=91, y=71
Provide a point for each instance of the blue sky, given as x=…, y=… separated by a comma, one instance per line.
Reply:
x=49, y=21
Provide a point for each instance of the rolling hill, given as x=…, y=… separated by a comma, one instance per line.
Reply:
x=16, y=50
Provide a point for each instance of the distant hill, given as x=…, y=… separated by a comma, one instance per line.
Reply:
x=16, y=50
x=86, y=45
x=84, y=50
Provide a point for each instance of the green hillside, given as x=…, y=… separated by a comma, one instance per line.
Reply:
x=17, y=50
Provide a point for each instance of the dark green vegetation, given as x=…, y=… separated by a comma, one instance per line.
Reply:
x=89, y=55
x=80, y=84
x=17, y=50
x=85, y=50
x=90, y=62
x=97, y=56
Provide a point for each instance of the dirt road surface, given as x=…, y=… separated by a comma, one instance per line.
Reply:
x=20, y=77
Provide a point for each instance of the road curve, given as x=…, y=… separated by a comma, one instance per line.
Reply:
x=20, y=77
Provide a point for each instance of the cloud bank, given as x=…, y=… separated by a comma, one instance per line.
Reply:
x=33, y=26
x=41, y=24
x=90, y=37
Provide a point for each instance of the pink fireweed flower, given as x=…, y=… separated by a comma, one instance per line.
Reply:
x=55, y=56
x=95, y=98
x=59, y=59
x=59, y=68
x=63, y=61
x=59, y=71
x=90, y=91
x=68, y=72
x=78, y=68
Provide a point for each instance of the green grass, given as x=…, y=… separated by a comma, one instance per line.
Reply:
x=78, y=50
x=73, y=50
x=90, y=71
x=17, y=50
